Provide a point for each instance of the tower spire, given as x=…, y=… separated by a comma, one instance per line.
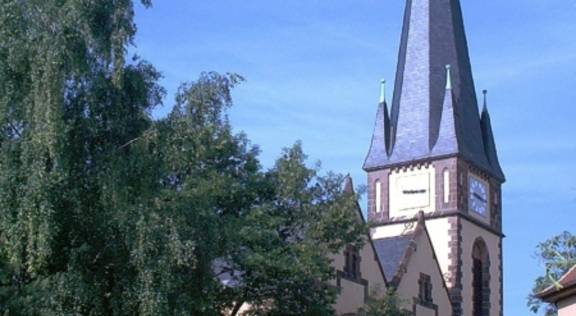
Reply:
x=383, y=91
x=433, y=36
x=488, y=136
x=485, y=103
x=436, y=154
x=447, y=141
x=448, y=77
x=378, y=153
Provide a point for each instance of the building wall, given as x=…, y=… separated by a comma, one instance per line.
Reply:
x=567, y=307
x=450, y=186
x=392, y=230
x=470, y=233
x=422, y=261
x=384, y=214
x=351, y=298
x=446, y=190
x=425, y=311
x=439, y=230
x=353, y=294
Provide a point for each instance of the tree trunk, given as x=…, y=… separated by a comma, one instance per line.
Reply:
x=237, y=307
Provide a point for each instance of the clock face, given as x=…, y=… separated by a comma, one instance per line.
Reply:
x=478, y=196
x=413, y=191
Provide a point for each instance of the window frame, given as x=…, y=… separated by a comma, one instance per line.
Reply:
x=378, y=196
x=352, y=261
x=425, y=290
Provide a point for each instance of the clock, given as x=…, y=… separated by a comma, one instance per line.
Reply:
x=478, y=196
x=412, y=191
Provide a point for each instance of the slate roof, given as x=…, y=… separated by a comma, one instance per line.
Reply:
x=447, y=141
x=489, y=144
x=378, y=153
x=395, y=253
x=390, y=252
x=433, y=36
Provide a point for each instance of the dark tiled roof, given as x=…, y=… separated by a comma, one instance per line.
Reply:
x=447, y=141
x=390, y=252
x=433, y=36
x=377, y=155
x=489, y=143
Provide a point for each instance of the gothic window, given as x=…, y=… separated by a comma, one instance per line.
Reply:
x=352, y=264
x=446, y=186
x=495, y=199
x=425, y=292
x=378, y=196
x=481, y=279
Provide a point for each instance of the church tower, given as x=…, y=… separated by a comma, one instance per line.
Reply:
x=433, y=152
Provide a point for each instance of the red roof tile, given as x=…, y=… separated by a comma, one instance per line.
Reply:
x=569, y=278
x=568, y=287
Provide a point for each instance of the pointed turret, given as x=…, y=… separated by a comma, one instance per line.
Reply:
x=378, y=153
x=489, y=143
x=446, y=142
x=348, y=185
x=433, y=36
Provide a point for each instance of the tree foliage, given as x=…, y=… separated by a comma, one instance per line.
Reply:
x=106, y=211
x=283, y=249
x=558, y=255
x=388, y=305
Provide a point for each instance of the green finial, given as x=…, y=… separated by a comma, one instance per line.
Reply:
x=448, y=77
x=485, y=92
x=382, y=91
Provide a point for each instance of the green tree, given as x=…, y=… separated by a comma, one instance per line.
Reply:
x=106, y=211
x=199, y=181
x=284, y=245
x=558, y=255
x=389, y=305
x=274, y=228
x=68, y=102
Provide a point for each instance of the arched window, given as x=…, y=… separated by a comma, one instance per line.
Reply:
x=378, y=196
x=446, y=175
x=481, y=278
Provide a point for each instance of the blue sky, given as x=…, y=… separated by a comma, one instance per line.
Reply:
x=313, y=69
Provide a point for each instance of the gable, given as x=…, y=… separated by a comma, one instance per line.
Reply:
x=421, y=261
x=354, y=293
x=356, y=290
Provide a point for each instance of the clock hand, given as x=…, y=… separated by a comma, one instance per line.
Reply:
x=479, y=197
x=414, y=191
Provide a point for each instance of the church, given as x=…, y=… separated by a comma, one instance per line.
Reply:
x=434, y=182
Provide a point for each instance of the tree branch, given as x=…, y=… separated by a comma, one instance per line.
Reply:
x=237, y=307
x=239, y=304
x=145, y=134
